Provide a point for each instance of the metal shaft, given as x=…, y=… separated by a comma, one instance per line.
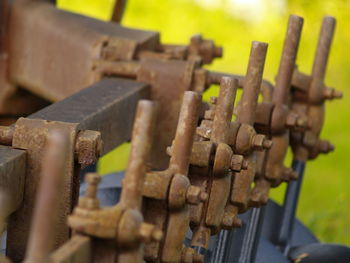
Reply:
x=182, y=144
x=252, y=83
x=323, y=48
x=287, y=64
x=224, y=110
x=142, y=136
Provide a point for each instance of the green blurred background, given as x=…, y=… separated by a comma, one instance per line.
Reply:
x=325, y=196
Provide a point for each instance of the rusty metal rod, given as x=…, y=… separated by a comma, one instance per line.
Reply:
x=321, y=59
x=126, y=69
x=224, y=110
x=187, y=124
x=142, y=137
x=251, y=89
x=288, y=58
x=118, y=11
x=47, y=201
x=323, y=48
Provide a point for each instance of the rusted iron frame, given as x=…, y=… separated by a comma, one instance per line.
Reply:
x=111, y=99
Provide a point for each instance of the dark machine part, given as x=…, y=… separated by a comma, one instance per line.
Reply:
x=289, y=208
x=225, y=247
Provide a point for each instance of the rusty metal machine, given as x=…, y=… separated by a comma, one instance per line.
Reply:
x=196, y=188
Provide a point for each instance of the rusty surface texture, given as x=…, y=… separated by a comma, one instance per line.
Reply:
x=85, y=146
x=168, y=193
x=204, y=168
x=118, y=99
x=31, y=135
x=120, y=229
x=88, y=37
x=247, y=141
x=42, y=231
x=97, y=49
x=12, y=174
x=181, y=194
x=101, y=107
x=309, y=96
x=176, y=76
x=142, y=137
x=271, y=169
x=229, y=173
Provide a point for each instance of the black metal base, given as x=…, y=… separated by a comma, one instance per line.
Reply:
x=229, y=246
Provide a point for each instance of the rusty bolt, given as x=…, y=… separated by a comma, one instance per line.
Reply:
x=289, y=174
x=296, y=121
x=260, y=142
x=195, y=195
x=88, y=147
x=325, y=146
x=330, y=94
x=89, y=201
x=149, y=233
x=238, y=163
x=291, y=119
x=229, y=222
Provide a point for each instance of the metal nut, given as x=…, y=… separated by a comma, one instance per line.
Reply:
x=149, y=233
x=88, y=147
x=195, y=195
x=238, y=163
x=260, y=142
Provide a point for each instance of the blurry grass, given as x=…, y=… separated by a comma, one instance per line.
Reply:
x=325, y=196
